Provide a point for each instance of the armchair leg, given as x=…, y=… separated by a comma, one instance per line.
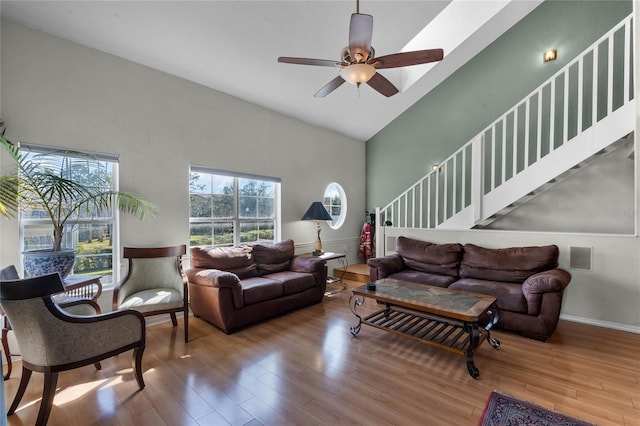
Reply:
x=7, y=352
x=24, y=381
x=186, y=325
x=137, y=366
x=174, y=320
x=50, y=382
x=98, y=366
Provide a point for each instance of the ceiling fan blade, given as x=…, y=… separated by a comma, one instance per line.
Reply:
x=405, y=59
x=329, y=87
x=360, y=34
x=382, y=85
x=308, y=61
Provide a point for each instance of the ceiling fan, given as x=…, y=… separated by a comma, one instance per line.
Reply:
x=359, y=64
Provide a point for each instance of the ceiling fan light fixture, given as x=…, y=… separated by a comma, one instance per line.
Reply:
x=357, y=74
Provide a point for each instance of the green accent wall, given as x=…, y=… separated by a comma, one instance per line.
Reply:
x=482, y=90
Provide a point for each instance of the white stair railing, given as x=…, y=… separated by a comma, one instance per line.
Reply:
x=479, y=178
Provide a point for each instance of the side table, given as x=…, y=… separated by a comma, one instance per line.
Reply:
x=344, y=262
x=76, y=287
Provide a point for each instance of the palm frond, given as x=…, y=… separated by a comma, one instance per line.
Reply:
x=9, y=202
x=64, y=184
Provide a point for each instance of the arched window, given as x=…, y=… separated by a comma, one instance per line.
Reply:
x=335, y=201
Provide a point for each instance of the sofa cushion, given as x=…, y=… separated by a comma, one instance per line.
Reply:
x=273, y=257
x=293, y=282
x=442, y=259
x=236, y=260
x=423, y=278
x=259, y=289
x=514, y=264
x=509, y=296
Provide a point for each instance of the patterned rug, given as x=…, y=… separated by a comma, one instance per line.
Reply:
x=506, y=410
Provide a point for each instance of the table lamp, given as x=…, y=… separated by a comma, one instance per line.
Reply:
x=317, y=212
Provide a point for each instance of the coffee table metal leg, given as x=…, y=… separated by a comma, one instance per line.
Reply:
x=344, y=262
x=494, y=315
x=473, y=370
x=354, y=302
x=474, y=342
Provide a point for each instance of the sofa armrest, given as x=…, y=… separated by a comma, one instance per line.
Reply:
x=382, y=267
x=213, y=278
x=534, y=287
x=307, y=264
x=217, y=279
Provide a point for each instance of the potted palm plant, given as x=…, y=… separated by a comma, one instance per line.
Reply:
x=40, y=183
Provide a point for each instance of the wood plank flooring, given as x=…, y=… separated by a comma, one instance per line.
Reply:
x=305, y=368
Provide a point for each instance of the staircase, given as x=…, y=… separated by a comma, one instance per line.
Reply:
x=626, y=143
x=583, y=111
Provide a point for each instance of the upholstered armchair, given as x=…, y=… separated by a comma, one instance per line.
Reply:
x=8, y=273
x=52, y=340
x=155, y=283
x=76, y=306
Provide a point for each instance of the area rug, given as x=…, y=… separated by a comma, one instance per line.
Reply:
x=503, y=410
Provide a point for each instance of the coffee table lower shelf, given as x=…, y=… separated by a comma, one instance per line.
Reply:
x=459, y=337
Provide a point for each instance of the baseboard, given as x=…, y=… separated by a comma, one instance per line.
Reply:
x=604, y=324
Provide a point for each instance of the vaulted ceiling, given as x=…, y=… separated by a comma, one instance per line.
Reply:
x=233, y=46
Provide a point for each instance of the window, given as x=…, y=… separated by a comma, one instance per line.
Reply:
x=335, y=202
x=90, y=233
x=227, y=209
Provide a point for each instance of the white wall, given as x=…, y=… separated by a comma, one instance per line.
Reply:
x=58, y=93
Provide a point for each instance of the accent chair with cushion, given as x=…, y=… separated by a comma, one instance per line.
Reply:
x=76, y=306
x=155, y=283
x=51, y=340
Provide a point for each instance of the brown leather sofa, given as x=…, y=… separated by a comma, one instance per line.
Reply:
x=526, y=281
x=232, y=287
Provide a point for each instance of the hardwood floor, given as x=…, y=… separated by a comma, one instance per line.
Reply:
x=305, y=368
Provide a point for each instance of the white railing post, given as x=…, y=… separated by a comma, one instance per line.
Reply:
x=580, y=95
x=610, y=77
x=515, y=142
x=565, y=108
x=527, y=122
x=477, y=178
x=628, y=37
x=594, y=88
x=437, y=198
x=539, y=128
x=493, y=158
x=429, y=225
x=463, y=190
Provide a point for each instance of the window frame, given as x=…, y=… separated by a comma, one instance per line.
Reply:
x=339, y=220
x=72, y=226
x=236, y=218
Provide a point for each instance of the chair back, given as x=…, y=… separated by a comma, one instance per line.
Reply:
x=25, y=304
x=152, y=268
x=9, y=273
x=30, y=288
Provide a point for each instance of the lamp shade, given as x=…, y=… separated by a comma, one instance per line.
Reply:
x=357, y=73
x=317, y=211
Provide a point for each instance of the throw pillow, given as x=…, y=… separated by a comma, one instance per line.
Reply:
x=273, y=257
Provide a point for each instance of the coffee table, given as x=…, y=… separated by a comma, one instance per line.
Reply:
x=436, y=316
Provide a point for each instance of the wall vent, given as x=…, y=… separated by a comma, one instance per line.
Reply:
x=580, y=258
